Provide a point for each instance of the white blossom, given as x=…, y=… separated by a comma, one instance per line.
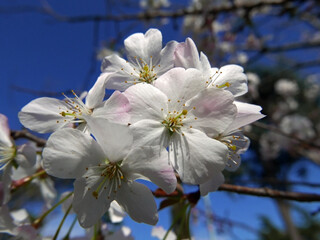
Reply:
x=147, y=61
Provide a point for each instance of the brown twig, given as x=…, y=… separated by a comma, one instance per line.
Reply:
x=16, y=134
x=146, y=15
x=259, y=192
x=271, y=193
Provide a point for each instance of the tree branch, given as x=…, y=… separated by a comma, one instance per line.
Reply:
x=259, y=192
x=146, y=15
x=16, y=134
x=271, y=193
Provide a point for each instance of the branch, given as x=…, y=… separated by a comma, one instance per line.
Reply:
x=146, y=15
x=260, y=192
x=271, y=193
x=16, y=134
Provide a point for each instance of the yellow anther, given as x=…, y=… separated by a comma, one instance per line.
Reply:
x=184, y=112
x=233, y=147
x=95, y=194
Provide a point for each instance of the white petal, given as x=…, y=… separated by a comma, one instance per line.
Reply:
x=213, y=184
x=69, y=152
x=6, y=183
x=114, y=139
x=180, y=85
x=26, y=155
x=88, y=208
x=247, y=113
x=120, y=71
x=48, y=191
x=144, y=45
x=115, y=109
x=147, y=102
x=159, y=232
x=20, y=216
x=195, y=156
x=6, y=221
x=67, y=203
x=42, y=115
x=5, y=131
x=137, y=200
x=96, y=93
x=151, y=163
x=212, y=111
x=149, y=133
x=116, y=212
x=232, y=74
x=234, y=161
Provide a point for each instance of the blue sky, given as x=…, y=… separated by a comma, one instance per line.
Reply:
x=45, y=55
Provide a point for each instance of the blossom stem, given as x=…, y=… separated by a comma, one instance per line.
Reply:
x=39, y=220
x=16, y=184
x=175, y=220
x=61, y=223
x=70, y=228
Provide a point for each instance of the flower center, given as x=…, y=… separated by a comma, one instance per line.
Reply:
x=75, y=109
x=111, y=179
x=6, y=155
x=147, y=74
x=143, y=71
x=173, y=122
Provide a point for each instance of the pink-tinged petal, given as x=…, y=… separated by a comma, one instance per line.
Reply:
x=147, y=102
x=186, y=55
x=117, y=72
x=195, y=156
x=43, y=115
x=180, y=85
x=5, y=131
x=247, y=113
x=149, y=133
x=26, y=155
x=151, y=163
x=69, y=152
x=167, y=58
x=213, y=184
x=212, y=111
x=234, y=76
x=115, y=109
x=26, y=232
x=144, y=46
x=114, y=139
x=137, y=200
x=96, y=93
x=89, y=209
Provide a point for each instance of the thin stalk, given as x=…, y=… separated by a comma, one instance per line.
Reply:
x=175, y=221
x=184, y=220
x=188, y=221
x=70, y=229
x=61, y=223
x=37, y=222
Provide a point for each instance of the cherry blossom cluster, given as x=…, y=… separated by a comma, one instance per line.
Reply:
x=171, y=114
